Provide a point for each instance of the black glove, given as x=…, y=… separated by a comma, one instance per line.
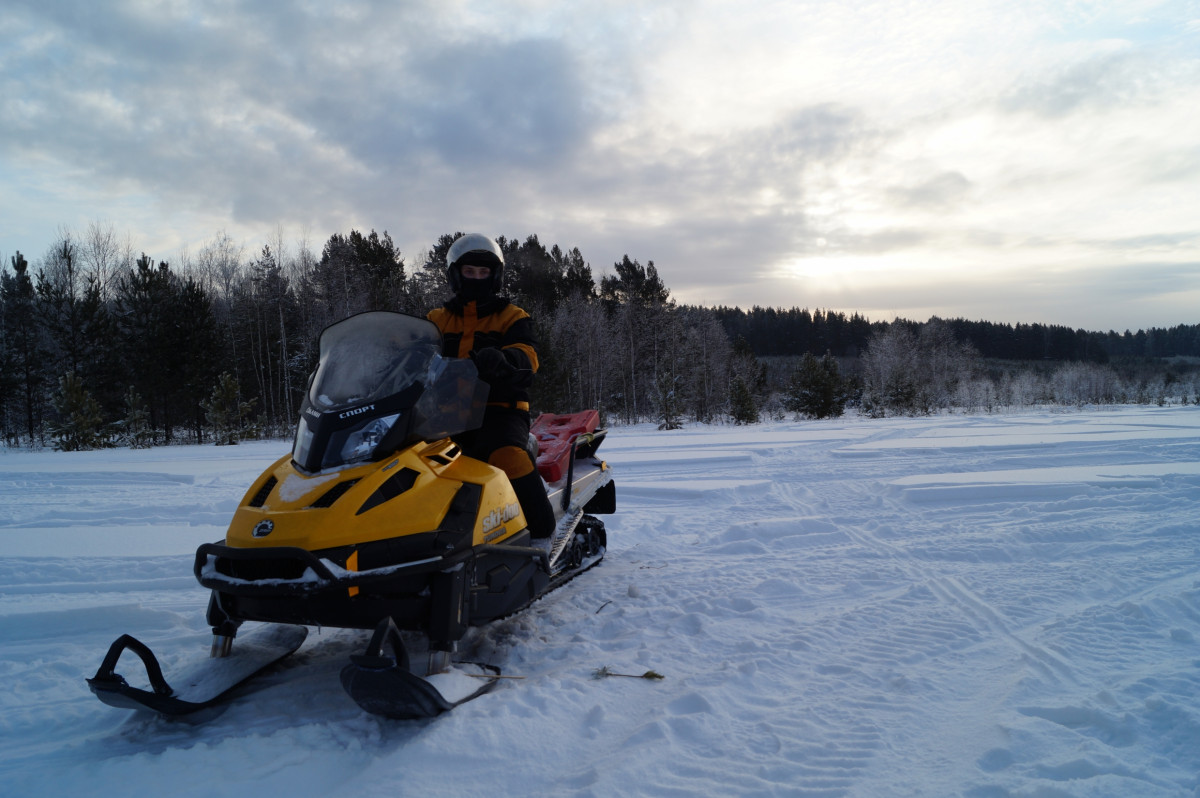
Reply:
x=493, y=366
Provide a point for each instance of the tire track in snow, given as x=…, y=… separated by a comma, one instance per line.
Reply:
x=790, y=741
x=831, y=751
x=983, y=619
x=953, y=591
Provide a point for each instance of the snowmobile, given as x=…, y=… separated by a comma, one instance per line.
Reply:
x=378, y=520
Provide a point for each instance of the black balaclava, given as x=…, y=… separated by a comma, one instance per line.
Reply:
x=478, y=290
x=484, y=288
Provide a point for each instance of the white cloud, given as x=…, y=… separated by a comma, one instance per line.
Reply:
x=802, y=153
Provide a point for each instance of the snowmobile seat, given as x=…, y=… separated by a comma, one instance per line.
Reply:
x=554, y=433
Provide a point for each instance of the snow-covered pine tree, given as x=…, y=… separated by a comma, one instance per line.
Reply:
x=135, y=427
x=226, y=413
x=24, y=375
x=815, y=389
x=667, y=399
x=747, y=382
x=742, y=407
x=79, y=424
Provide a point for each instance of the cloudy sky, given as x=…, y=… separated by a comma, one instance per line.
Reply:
x=1007, y=160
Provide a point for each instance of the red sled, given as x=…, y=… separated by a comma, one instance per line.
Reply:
x=555, y=434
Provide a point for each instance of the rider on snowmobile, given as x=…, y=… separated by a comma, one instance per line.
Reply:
x=498, y=336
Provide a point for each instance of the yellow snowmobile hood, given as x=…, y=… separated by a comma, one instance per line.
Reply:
x=408, y=493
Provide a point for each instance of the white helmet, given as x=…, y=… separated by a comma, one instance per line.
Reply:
x=474, y=249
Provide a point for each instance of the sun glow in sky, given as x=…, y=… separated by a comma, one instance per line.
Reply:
x=1008, y=160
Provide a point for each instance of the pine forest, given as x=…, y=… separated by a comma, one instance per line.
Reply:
x=102, y=345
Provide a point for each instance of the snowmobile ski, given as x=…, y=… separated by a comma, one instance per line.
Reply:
x=204, y=685
x=384, y=684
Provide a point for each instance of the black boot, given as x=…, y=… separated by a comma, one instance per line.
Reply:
x=535, y=504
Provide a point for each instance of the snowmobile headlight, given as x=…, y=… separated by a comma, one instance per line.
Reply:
x=304, y=442
x=360, y=441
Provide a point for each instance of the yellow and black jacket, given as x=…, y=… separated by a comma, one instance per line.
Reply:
x=469, y=327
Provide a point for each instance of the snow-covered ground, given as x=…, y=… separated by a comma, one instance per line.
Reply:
x=978, y=606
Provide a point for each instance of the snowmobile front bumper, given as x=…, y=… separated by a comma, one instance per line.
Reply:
x=292, y=571
x=440, y=595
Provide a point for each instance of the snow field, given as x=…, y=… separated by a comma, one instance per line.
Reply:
x=977, y=606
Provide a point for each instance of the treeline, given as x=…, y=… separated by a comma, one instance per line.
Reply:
x=919, y=369
x=101, y=344
x=779, y=332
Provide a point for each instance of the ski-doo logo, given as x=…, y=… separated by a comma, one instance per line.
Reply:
x=263, y=528
x=312, y=412
x=358, y=411
x=500, y=516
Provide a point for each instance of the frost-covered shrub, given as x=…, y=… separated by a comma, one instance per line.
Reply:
x=1085, y=383
x=975, y=394
x=906, y=373
x=1021, y=389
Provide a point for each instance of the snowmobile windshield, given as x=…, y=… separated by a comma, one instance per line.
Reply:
x=381, y=382
x=371, y=356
